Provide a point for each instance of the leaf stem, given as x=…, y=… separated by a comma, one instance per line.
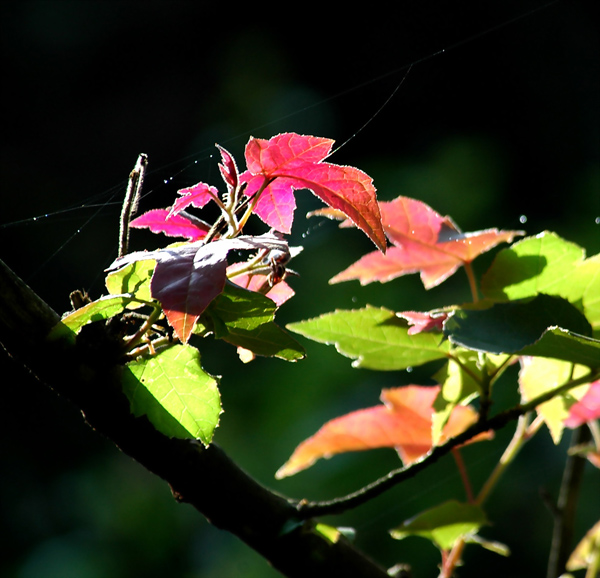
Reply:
x=139, y=335
x=472, y=282
x=464, y=475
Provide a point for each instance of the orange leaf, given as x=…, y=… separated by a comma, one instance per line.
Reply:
x=423, y=242
x=403, y=422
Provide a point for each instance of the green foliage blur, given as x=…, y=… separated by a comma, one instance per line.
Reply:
x=501, y=129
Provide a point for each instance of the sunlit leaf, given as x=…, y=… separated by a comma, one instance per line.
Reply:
x=547, y=264
x=245, y=319
x=423, y=242
x=458, y=387
x=540, y=375
x=375, y=337
x=133, y=279
x=290, y=162
x=402, y=422
x=101, y=309
x=586, y=409
x=181, y=225
x=197, y=196
x=587, y=551
x=443, y=524
x=175, y=393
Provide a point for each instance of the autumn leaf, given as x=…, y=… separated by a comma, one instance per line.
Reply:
x=586, y=409
x=289, y=162
x=188, y=277
x=423, y=242
x=424, y=321
x=180, y=225
x=198, y=196
x=403, y=422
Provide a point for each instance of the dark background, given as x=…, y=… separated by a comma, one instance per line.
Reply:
x=496, y=119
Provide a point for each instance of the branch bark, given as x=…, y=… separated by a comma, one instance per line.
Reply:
x=88, y=373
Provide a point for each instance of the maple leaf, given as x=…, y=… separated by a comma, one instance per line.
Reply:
x=198, y=196
x=188, y=277
x=429, y=321
x=423, y=242
x=403, y=422
x=586, y=409
x=288, y=162
x=181, y=225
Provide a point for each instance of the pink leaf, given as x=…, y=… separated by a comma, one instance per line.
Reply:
x=586, y=409
x=299, y=160
x=403, y=422
x=420, y=322
x=424, y=242
x=279, y=293
x=197, y=196
x=181, y=225
x=228, y=168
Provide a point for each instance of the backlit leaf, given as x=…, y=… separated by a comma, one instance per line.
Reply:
x=181, y=225
x=133, y=279
x=101, y=309
x=175, y=393
x=587, y=551
x=375, y=337
x=547, y=264
x=443, y=524
x=586, y=409
x=423, y=242
x=539, y=375
x=403, y=422
x=293, y=162
x=245, y=319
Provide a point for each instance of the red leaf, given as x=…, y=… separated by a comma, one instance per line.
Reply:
x=420, y=322
x=404, y=422
x=197, y=196
x=586, y=409
x=228, y=168
x=181, y=225
x=299, y=160
x=424, y=242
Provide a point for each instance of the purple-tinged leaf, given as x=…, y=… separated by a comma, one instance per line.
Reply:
x=187, y=278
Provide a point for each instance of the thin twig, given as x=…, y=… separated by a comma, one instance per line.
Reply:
x=131, y=201
x=564, y=520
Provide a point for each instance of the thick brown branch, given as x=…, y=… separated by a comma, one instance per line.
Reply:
x=89, y=375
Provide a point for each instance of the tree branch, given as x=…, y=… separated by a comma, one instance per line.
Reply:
x=88, y=373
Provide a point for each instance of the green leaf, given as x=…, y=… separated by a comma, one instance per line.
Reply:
x=443, y=524
x=175, y=393
x=543, y=326
x=134, y=279
x=546, y=264
x=245, y=319
x=375, y=337
x=103, y=308
x=457, y=387
x=538, y=376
